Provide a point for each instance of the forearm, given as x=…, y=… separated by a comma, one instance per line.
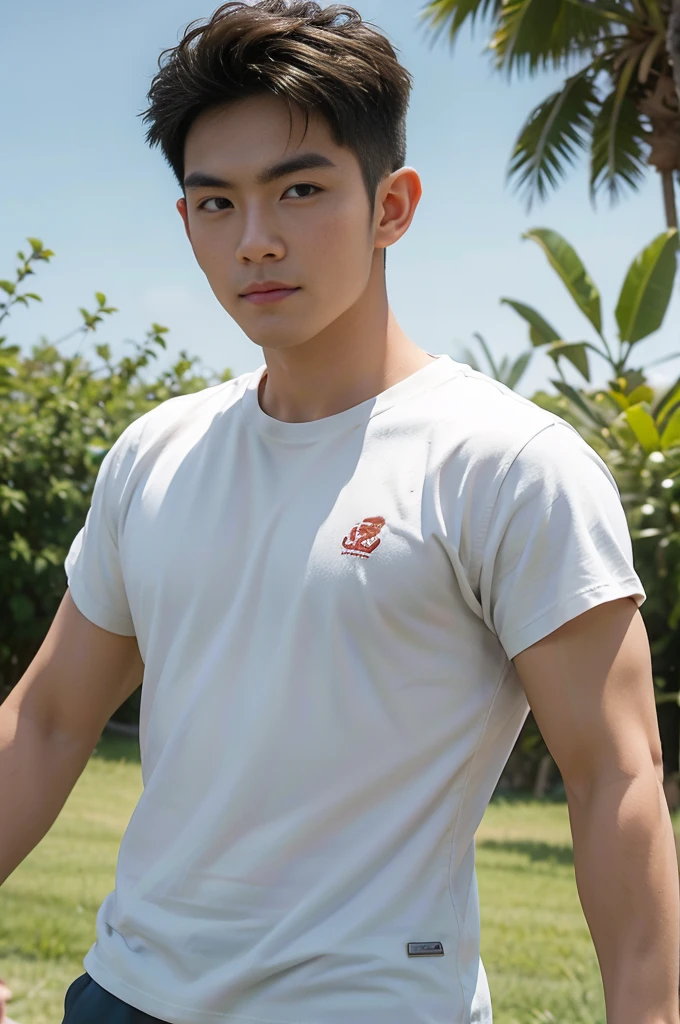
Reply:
x=38, y=770
x=627, y=878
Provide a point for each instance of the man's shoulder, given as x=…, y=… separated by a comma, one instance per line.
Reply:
x=479, y=418
x=175, y=416
x=493, y=442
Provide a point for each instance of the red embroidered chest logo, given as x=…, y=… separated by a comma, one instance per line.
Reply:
x=363, y=538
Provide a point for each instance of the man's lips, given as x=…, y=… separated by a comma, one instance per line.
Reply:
x=262, y=294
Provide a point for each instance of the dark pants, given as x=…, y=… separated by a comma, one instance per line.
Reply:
x=87, y=1002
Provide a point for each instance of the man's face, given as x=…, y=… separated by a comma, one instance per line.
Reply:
x=307, y=229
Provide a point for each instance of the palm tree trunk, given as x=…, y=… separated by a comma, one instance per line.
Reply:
x=673, y=47
x=670, y=205
x=673, y=43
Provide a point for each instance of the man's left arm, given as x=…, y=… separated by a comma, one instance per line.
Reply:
x=590, y=688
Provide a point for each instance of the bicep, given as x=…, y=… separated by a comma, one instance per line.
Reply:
x=79, y=677
x=589, y=685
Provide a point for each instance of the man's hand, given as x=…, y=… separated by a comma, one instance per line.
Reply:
x=590, y=687
x=5, y=995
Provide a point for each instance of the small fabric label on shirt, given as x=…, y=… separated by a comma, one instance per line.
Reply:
x=425, y=949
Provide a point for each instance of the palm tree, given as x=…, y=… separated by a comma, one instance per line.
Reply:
x=619, y=100
x=673, y=43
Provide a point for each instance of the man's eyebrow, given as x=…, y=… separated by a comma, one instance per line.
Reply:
x=304, y=162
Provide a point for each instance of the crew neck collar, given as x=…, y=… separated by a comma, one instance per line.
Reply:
x=442, y=368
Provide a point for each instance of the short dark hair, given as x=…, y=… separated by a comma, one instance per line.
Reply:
x=325, y=60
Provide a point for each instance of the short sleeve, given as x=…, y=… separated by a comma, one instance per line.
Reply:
x=558, y=542
x=93, y=564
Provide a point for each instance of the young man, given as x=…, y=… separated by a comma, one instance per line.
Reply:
x=343, y=575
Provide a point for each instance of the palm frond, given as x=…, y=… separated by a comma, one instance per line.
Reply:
x=620, y=11
x=534, y=34
x=471, y=359
x=650, y=54
x=505, y=372
x=518, y=369
x=617, y=154
x=489, y=355
x=451, y=15
x=550, y=139
x=657, y=16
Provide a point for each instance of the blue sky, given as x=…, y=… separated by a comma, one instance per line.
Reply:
x=76, y=173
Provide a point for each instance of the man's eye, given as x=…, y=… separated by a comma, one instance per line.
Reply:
x=306, y=194
x=220, y=204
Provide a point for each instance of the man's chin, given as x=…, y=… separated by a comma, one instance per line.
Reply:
x=280, y=340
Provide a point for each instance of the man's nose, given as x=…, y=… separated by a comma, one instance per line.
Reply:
x=259, y=239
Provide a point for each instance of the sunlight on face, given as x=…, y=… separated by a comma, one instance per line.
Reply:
x=252, y=220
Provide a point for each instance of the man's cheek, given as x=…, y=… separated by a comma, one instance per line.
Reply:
x=212, y=264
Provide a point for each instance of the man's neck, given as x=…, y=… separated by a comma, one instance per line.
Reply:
x=356, y=358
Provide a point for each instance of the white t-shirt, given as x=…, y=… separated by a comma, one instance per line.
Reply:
x=327, y=612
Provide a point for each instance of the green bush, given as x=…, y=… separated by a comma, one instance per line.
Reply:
x=59, y=415
x=640, y=443
x=636, y=432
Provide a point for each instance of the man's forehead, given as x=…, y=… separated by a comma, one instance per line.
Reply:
x=266, y=122
x=235, y=143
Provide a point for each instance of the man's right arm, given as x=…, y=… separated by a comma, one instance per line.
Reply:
x=51, y=721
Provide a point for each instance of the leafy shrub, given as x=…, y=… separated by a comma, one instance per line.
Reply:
x=59, y=415
x=640, y=442
x=636, y=432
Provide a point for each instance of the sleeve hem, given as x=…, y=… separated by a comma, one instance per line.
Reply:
x=97, y=614
x=558, y=615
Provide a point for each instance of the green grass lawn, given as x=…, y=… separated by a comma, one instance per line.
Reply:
x=535, y=944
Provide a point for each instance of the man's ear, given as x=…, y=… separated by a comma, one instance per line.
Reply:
x=182, y=209
x=396, y=201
